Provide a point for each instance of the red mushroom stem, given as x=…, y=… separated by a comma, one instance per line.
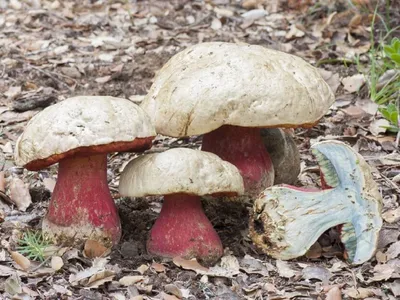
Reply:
x=82, y=202
x=182, y=229
x=243, y=147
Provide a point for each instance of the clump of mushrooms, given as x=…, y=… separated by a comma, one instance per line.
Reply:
x=182, y=175
x=288, y=220
x=78, y=133
x=228, y=92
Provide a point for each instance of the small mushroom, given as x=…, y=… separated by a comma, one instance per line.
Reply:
x=182, y=175
x=228, y=92
x=288, y=220
x=78, y=133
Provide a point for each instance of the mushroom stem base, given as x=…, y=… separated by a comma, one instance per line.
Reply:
x=182, y=229
x=243, y=147
x=81, y=206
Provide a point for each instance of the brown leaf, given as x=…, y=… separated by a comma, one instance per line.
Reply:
x=19, y=194
x=159, y=268
x=131, y=280
x=21, y=260
x=360, y=293
x=94, y=249
x=189, y=264
x=334, y=294
x=354, y=111
x=2, y=182
x=100, y=278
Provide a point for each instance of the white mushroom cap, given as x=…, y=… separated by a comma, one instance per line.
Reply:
x=213, y=84
x=81, y=122
x=179, y=170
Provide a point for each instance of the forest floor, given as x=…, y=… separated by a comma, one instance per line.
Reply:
x=52, y=50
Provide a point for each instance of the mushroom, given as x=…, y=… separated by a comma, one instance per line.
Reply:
x=78, y=133
x=284, y=154
x=228, y=92
x=288, y=220
x=182, y=175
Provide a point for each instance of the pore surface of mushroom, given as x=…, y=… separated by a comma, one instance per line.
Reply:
x=288, y=220
x=182, y=175
x=78, y=133
x=228, y=92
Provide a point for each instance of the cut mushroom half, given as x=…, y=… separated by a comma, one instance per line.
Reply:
x=182, y=175
x=288, y=220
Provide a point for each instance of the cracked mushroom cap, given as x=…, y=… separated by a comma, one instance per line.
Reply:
x=287, y=220
x=180, y=170
x=213, y=84
x=83, y=125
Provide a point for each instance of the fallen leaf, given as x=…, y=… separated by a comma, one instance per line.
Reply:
x=367, y=105
x=353, y=83
x=159, y=268
x=378, y=126
x=254, y=14
x=13, y=92
x=189, y=265
x=395, y=287
x=94, y=249
x=12, y=285
x=75, y=278
x=174, y=290
x=230, y=262
x=49, y=183
x=393, y=251
x=142, y=268
x=360, y=293
x=334, y=294
x=216, y=24
x=250, y=265
x=19, y=194
x=317, y=272
x=106, y=57
x=21, y=260
x=333, y=80
x=103, y=79
x=382, y=272
x=284, y=269
x=165, y=296
x=56, y=263
x=130, y=280
x=6, y=271
x=100, y=278
x=392, y=216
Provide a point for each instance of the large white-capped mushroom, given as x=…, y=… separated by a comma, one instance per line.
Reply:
x=78, y=133
x=228, y=92
x=288, y=220
x=182, y=175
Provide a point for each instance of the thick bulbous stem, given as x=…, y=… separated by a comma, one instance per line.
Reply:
x=182, y=229
x=243, y=147
x=81, y=206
